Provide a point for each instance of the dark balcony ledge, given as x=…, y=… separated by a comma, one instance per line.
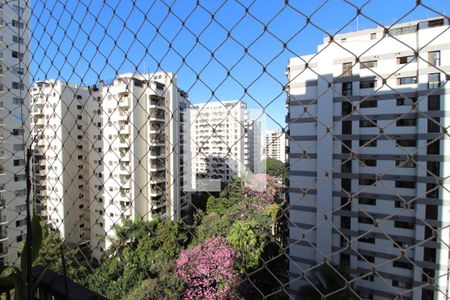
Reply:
x=53, y=286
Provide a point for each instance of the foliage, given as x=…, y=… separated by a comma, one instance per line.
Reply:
x=14, y=277
x=50, y=255
x=164, y=287
x=325, y=280
x=208, y=270
x=141, y=251
x=249, y=242
x=274, y=167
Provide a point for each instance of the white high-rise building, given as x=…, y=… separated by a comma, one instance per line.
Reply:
x=275, y=145
x=368, y=159
x=136, y=165
x=14, y=129
x=59, y=128
x=222, y=141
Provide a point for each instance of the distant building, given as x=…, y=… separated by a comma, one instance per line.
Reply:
x=224, y=141
x=367, y=156
x=275, y=145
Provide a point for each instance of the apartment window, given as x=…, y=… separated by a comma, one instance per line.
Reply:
x=405, y=184
x=17, y=101
x=401, y=244
x=346, y=203
x=18, y=147
x=367, y=181
x=366, y=257
x=347, y=69
x=16, y=54
x=365, y=220
x=346, y=146
x=16, y=39
x=406, y=143
x=409, y=163
x=18, y=85
x=434, y=125
x=403, y=30
x=18, y=162
x=406, y=122
x=434, y=80
x=79, y=107
x=369, y=162
x=346, y=184
x=346, y=127
x=346, y=166
x=368, y=64
x=373, y=36
x=407, y=80
x=434, y=58
x=17, y=132
x=345, y=259
x=435, y=23
x=17, y=9
x=80, y=117
x=434, y=102
x=347, y=88
x=431, y=212
x=367, y=239
x=402, y=264
x=367, y=143
x=406, y=101
x=346, y=108
x=367, y=84
x=18, y=24
x=432, y=190
x=428, y=275
x=401, y=203
x=406, y=59
x=367, y=123
x=20, y=178
x=401, y=284
x=404, y=224
x=367, y=201
x=20, y=223
x=429, y=254
x=368, y=103
x=433, y=147
x=345, y=222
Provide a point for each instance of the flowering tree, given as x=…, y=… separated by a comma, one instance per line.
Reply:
x=207, y=270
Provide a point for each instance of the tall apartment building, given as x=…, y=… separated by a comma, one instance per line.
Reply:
x=275, y=145
x=367, y=155
x=136, y=166
x=224, y=141
x=59, y=128
x=14, y=132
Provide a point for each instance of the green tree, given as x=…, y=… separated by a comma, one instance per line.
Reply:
x=274, y=167
x=142, y=251
x=249, y=243
x=327, y=280
x=77, y=265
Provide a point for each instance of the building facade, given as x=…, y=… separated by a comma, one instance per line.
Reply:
x=60, y=122
x=137, y=166
x=367, y=148
x=224, y=142
x=14, y=129
x=275, y=145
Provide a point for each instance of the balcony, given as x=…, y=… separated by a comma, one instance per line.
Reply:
x=124, y=156
x=122, y=116
x=124, y=101
x=124, y=130
x=3, y=220
x=157, y=115
x=155, y=127
x=123, y=143
x=156, y=101
x=2, y=203
x=3, y=234
x=39, y=100
x=125, y=181
x=38, y=123
x=37, y=111
x=157, y=167
x=157, y=179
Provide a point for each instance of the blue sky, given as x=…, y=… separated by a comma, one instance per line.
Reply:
x=83, y=41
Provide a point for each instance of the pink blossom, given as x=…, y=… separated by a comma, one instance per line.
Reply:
x=208, y=271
